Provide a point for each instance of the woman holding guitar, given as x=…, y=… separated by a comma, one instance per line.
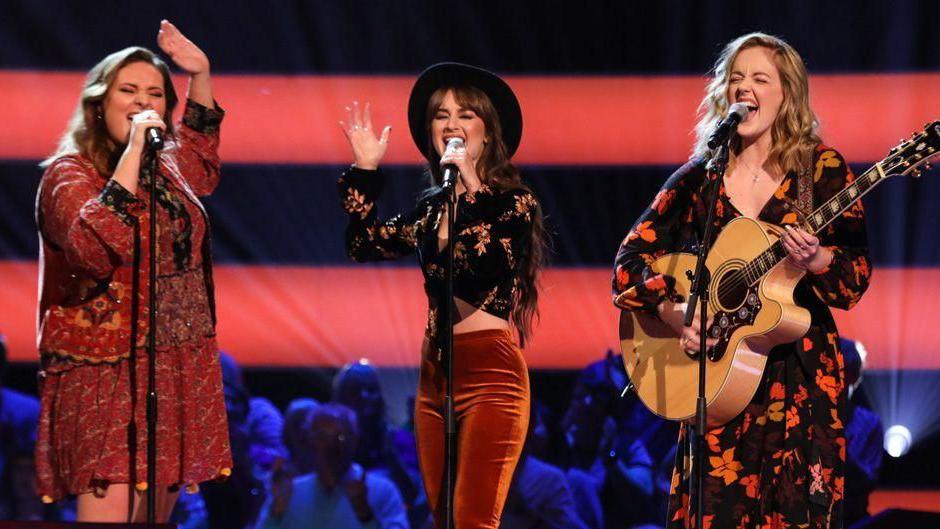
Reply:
x=780, y=462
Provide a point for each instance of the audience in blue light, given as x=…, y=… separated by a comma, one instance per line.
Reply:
x=605, y=462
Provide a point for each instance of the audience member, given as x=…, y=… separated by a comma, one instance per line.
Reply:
x=382, y=448
x=298, y=450
x=864, y=435
x=19, y=416
x=539, y=497
x=339, y=493
x=255, y=436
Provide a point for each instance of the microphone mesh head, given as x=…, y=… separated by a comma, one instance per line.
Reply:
x=740, y=109
x=454, y=143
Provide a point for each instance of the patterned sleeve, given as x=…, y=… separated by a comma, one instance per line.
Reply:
x=498, y=230
x=94, y=227
x=198, y=150
x=843, y=282
x=655, y=233
x=366, y=238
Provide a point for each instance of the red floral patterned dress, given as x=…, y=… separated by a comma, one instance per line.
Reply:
x=94, y=258
x=780, y=463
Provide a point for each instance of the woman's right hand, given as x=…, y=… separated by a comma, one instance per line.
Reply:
x=282, y=487
x=674, y=316
x=127, y=172
x=368, y=149
x=140, y=122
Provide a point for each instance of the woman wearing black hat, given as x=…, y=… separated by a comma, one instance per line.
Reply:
x=498, y=255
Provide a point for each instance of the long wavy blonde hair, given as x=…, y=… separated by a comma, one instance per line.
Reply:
x=87, y=133
x=793, y=134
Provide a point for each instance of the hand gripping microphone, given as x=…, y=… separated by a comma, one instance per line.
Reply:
x=450, y=170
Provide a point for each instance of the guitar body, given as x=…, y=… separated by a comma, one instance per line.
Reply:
x=749, y=320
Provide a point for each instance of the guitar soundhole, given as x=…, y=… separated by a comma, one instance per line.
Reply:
x=731, y=290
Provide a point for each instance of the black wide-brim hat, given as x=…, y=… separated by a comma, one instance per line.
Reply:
x=457, y=74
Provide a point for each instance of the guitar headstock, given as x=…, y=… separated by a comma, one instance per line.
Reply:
x=913, y=156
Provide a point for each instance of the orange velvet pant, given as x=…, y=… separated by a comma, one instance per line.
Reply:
x=491, y=403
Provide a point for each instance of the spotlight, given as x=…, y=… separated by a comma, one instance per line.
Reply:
x=897, y=440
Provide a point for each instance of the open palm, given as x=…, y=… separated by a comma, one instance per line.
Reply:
x=181, y=50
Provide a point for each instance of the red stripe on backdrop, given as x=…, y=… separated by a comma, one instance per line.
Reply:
x=622, y=120
x=326, y=316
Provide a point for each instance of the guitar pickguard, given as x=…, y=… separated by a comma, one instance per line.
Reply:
x=725, y=323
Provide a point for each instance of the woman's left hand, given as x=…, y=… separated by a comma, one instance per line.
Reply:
x=468, y=172
x=181, y=50
x=804, y=249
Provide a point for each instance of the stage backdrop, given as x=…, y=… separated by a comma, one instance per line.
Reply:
x=609, y=94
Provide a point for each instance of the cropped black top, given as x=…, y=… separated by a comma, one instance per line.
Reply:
x=493, y=230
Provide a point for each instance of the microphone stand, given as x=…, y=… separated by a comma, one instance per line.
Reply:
x=154, y=148
x=699, y=289
x=450, y=433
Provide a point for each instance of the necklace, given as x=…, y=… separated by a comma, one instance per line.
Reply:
x=755, y=175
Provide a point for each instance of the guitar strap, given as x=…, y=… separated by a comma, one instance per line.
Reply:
x=804, y=184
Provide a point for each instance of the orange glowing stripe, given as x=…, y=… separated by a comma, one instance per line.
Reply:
x=326, y=316
x=615, y=120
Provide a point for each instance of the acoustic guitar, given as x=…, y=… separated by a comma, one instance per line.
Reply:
x=750, y=302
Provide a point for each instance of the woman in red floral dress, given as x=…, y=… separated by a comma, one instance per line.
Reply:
x=780, y=463
x=93, y=316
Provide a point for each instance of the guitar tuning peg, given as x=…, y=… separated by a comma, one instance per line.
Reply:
x=928, y=166
x=916, y=173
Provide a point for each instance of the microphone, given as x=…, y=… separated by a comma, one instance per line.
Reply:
x=154, y=137
x=450, y=170
x=729, y=125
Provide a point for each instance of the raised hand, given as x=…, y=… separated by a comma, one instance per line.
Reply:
x=368, y=149
x=357, y=493
x=282, y=487
x=181, y=50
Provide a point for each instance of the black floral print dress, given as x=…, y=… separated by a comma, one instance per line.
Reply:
x=494, y=235
x=780, y=463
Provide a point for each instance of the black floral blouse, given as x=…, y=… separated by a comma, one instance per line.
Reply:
x=780, y=463
x=493, y=230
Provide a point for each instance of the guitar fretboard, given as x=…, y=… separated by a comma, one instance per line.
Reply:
x=819, y=219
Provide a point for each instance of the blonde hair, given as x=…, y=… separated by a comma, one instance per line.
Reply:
x=793, y=133
x=87, y=133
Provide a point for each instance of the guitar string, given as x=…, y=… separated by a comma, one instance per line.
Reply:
x=843, y=198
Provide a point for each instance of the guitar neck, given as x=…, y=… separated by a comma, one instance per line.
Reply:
x=819, y=219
